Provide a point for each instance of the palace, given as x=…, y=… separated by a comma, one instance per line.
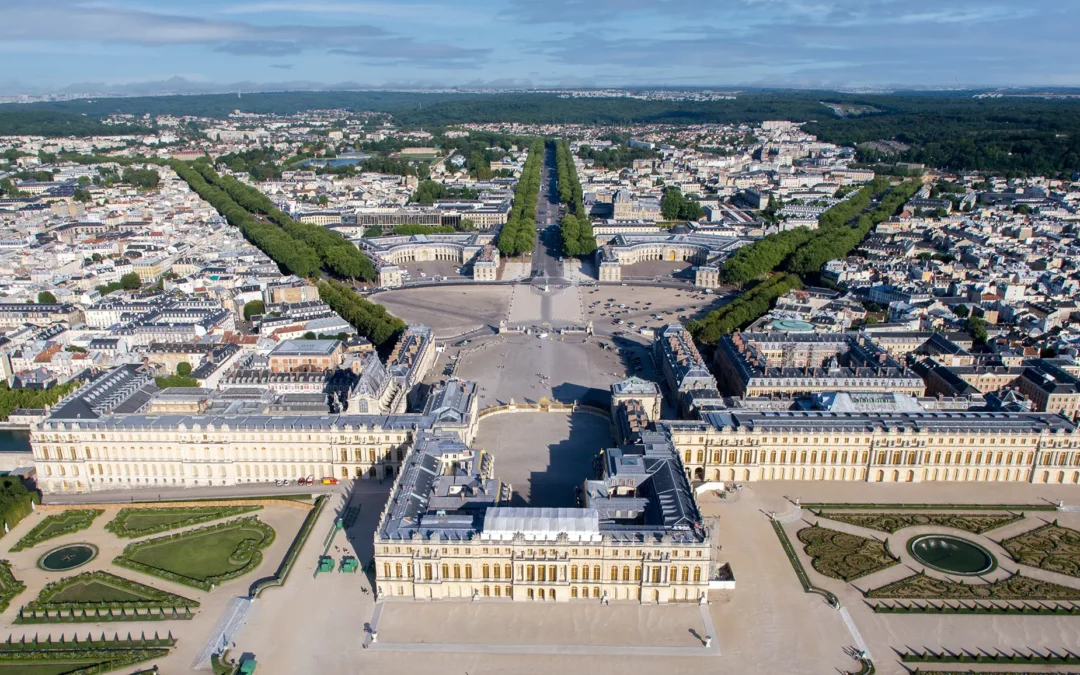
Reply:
x=446, y=531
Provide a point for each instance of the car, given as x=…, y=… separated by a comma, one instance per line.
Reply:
x=329, y=480
x=461, y=343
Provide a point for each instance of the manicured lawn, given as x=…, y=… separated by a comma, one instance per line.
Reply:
x=204, y=557
x=198, y=557
x=56, y=525
x=94, y=591
x=146, y=521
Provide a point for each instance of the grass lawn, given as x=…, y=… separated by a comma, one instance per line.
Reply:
x=94, y=591
x=141, y=522
x=198, y=556
x=56, y=525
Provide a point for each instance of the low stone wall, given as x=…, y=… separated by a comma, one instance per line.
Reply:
x=542, y=408
x=180, y=504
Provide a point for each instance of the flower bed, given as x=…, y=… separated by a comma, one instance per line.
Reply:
x=797, y=565
x=844, y=556
x=202, y=558
x=1017, y=587
x=130, y=523
x=1050, y=547
x=893, y=522
x=101, y=596
x=87, y=657
x=57, y=525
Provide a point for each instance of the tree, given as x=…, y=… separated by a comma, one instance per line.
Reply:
x=961, y=311
x=672, y=203
x=46, y=298
x=83, y=181
x=310, y=336
x=143, y=178
x=253, y=308
x=81, y=195
x=130, y=281
x=183, y=369
x=976, y=328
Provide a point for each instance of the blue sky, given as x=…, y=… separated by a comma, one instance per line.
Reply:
x=143, y=45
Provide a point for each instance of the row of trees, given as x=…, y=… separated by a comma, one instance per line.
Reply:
x=291, y=255
x=518, y=234
x=769, y=254
x=575, y=228
x=296, y=247
x=299, y=248
x=370, y=319
x=744, y=309
x=838, y=242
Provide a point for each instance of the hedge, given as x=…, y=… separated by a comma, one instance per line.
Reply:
x=253, y=553
x=9, y=585
x=67, y=611
x=72, y=521
x=977, y=609
x=817, y=506
x=282, y=574
x=800, y=571
x=118, y=525
x=15, y=501
x=1034, y=658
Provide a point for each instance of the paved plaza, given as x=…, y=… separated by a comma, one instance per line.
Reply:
x=544, y=456
x=451, y=310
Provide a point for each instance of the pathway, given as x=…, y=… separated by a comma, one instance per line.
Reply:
x=230, y=622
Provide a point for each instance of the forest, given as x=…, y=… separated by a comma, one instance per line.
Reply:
x=1011, y=135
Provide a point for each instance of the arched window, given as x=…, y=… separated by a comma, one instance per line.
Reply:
x=386, y=570
x=573, y=573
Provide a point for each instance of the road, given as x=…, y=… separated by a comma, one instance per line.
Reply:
x=548, y=249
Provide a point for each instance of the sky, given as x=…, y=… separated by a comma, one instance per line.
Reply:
x=145, y=46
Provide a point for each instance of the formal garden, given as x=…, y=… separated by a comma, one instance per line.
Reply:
x=132, y=523
x=202, y=558
x=1050, y=547
x=844, y=556
x=100, y=596
x=848, y=557
x=56, y=525
x=976, y=523
x=1015, y=588
x=87, y=656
